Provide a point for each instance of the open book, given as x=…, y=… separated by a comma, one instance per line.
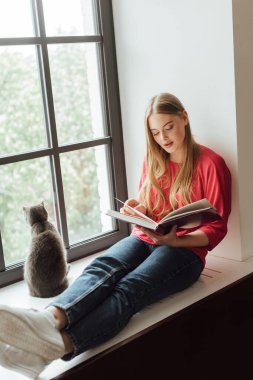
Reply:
x=189, y=216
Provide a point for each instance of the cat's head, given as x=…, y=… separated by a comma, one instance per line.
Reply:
x=35, y=214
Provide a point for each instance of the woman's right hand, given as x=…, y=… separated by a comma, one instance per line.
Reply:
x=134, y=204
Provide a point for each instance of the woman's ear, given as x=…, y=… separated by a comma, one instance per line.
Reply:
x=185, y=117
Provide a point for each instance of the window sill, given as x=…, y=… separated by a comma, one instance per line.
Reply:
x=218, y=274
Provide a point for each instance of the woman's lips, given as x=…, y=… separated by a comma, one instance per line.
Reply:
x=168, y=145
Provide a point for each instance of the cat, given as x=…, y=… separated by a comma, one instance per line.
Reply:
x=45, y=268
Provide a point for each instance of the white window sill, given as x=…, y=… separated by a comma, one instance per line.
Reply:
x=219, y=273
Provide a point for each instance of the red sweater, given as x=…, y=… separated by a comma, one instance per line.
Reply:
x=212, y=180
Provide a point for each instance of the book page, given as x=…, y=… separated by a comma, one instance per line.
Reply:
x=133, y=219
x=198, y=205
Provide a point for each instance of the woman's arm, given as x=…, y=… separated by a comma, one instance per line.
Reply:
x=196, y=238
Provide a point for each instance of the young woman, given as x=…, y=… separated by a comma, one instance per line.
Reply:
x=140, y=269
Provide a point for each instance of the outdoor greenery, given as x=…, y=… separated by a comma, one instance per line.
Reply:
x=22, y=129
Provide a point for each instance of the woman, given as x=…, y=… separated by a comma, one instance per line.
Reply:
x=140, y=269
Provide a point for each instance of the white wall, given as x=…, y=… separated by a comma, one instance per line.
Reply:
x=184, y=47
x=243, y=51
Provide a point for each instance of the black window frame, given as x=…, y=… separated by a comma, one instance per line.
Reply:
x=105, y=39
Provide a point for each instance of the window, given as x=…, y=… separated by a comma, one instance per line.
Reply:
x=60, y=126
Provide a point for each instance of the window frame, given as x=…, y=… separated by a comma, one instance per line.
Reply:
x=113, y=141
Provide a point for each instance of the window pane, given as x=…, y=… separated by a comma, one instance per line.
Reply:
x=16, y=18
x=21, y=110
x=22, y=184
x=76, y=92
x=86, y=189
x=68, y=17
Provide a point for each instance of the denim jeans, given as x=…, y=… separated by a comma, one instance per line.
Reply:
x=127, y=277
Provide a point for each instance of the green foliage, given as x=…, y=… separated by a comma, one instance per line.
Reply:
x=21, y=114
x=71, y=92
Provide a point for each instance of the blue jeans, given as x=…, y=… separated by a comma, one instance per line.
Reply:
x=127, y=277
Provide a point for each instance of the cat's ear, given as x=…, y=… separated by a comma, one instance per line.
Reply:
x=43, y=203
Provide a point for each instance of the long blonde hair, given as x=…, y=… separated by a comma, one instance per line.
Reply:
x=157, y=159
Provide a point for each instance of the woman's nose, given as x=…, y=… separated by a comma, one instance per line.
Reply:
x=165, y=136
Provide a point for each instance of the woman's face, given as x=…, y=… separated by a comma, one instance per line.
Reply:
x=169, y=132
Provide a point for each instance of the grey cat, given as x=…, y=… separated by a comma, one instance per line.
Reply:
x=46, y=268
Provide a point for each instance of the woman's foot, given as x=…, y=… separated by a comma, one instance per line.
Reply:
x=31, y=331
x=21, y=361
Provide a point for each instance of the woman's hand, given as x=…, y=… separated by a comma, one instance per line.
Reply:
x=170, y=238
x=134, y=204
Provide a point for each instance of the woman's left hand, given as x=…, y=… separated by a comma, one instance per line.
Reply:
x=168, y=239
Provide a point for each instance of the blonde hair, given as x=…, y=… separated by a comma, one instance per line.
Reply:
x=157, y=159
